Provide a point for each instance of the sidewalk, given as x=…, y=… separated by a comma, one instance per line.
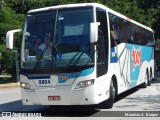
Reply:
x=1, y=76
x=9, y=85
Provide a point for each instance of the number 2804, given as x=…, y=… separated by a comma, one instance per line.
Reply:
x=44, y=82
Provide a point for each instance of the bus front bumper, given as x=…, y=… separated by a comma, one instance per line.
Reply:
x=64, y=95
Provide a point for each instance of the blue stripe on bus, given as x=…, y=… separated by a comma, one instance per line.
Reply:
x=86, y=72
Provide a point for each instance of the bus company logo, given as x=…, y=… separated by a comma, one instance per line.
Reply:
x=136, y=57
x=64, y=77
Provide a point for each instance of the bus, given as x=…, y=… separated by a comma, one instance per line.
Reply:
x=82, y=54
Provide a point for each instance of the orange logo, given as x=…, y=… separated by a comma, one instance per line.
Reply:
x=136, y=57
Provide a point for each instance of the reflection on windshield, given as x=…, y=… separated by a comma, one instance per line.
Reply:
x=66, y=43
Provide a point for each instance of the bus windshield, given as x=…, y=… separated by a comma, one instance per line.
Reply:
x=57, y=38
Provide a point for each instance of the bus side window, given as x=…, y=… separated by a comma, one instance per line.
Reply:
x=113, y=36
x=115, y=31
x=123, y=32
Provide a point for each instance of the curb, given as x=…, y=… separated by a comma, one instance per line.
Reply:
x=9, y=85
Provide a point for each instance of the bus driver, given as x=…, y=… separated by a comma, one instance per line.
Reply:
x=46, y=46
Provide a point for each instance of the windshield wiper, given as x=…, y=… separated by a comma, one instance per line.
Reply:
x=81, y=53
x=91, y=57
x=43, y=52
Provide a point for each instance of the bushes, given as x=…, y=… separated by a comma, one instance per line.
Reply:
x=8, y=62
x=9, y=20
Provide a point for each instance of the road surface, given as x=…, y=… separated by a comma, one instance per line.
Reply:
x=133, y=101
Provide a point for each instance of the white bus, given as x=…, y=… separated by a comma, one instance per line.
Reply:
x=82, y=54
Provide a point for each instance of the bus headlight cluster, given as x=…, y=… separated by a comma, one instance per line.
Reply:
x=25, y=85
x=83, y=84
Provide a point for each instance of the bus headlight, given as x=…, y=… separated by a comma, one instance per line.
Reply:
x=25, y=85
x=83, y=84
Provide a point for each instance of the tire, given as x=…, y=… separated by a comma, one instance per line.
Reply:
x=109, y=102
x=145, y=84
x=150, y=79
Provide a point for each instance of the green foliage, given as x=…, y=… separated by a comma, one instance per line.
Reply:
x=22, y=6
x=8, y=20
x=7, y=61
x=128, y=8
x=152, y=9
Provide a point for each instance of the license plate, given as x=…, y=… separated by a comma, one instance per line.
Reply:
x=54, y=98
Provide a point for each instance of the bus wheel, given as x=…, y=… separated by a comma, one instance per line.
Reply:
x=150, y=79
x=109, y=103
x=145, y=84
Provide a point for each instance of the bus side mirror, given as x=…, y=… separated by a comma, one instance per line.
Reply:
x=10, y=37
x=94, y=32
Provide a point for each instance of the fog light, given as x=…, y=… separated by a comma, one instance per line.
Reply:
x=83, y=84
x=86, y=99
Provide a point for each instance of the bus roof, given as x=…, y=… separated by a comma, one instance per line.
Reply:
x=63, y=6
x=89, y=4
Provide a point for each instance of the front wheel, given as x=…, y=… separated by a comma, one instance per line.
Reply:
x=109, y=102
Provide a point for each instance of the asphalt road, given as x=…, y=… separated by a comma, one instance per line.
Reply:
x=133, y=101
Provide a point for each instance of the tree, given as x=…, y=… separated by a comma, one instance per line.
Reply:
x=152, y=9
x=8, y=20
